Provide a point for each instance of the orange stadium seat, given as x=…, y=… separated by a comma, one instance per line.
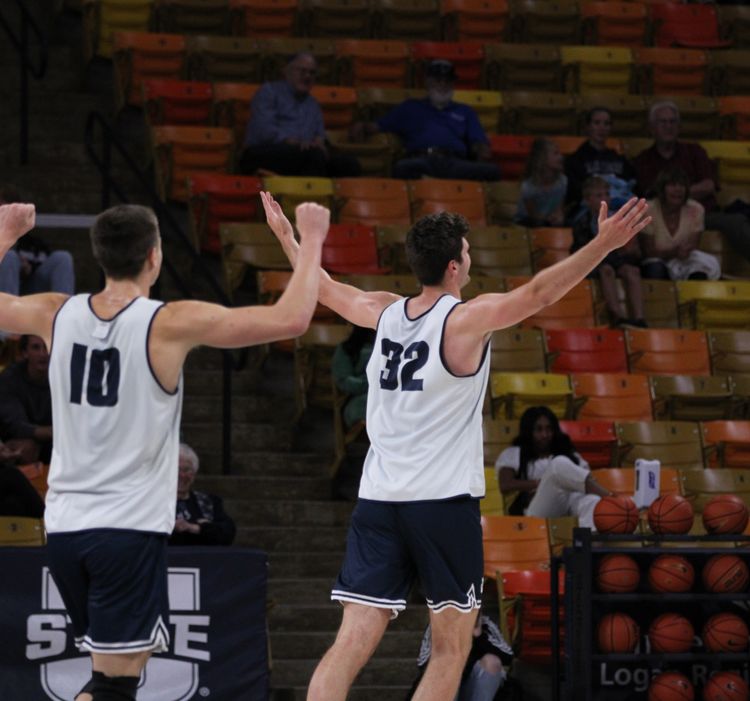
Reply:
x=192, y=17
x=351, y=249
x=734, y=21
x=336, y=18
x=667, y=352
x=522, y=67
x=550, y=245
x=662, y=71
x=546, y=21
x=373, y=63
x=511, y=153
x=177, y=102
x=574, y=311
x=513, y=543
x=727, y=443
x=691, y=25
x=232, y=107
x=474, y=20
x=593, y=440
x=216, y=198
x=611, y=397
x=376, y=201
x=734, y=111
x=37, y=473
x=338, y=105
x=464, y=197
x=406, y=19
x=264, y=18
x=225, y=59
x=615, y=23
x=102, y=18
x=621, y=480
x=467, y=57
x=586, y=350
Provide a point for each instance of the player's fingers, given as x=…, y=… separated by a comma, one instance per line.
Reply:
x=603, y=209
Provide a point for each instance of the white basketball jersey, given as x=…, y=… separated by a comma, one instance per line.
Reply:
x=116, y=430
x=424, y=422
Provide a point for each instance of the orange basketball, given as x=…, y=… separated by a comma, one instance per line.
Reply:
x=671, y=686
x=617, y=514
x=670, y=514
x=671, y=632
x=725, y=632
x=725, y=513
x=671, y=573
x=725, y=686
x=725, y=574
x=617, y=574
x=617, y=632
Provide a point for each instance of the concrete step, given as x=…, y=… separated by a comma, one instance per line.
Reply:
x=299, y=512
x=307, y=590
x=308, y=564
x=268, y=463
x=327, y=617
x=248, y=408
x=206, y=436
x=379, y=670
x=304, y=539
x=209, y=382
x=270, y=488
x=293, y=646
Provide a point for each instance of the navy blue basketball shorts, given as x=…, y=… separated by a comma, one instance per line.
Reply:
x=114, y=586
x=391, y=544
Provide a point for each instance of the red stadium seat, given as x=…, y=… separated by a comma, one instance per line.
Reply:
x=511, y=152
x=351, y=249
x=474, y=20
x=595, y=441
x=691, y=25
x=586, y=350
x=177, y=102
x=467, y=57
x=264, y=18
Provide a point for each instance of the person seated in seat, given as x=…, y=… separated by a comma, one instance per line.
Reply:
x=201, y=519
x=542, y=200
x=543, y=465
x=442, y=138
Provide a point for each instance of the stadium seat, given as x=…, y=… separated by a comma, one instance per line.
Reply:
x=139, y=56
x=734, y=161
x=667, y=352
x=180, y=152
x=691, y=397
x=660, y=303
x=539, y=113
x=726, y=443
x=730, y=352
x=488, y=105
x=474, y=20
x=391, y=248
x=492, y=502
x=291, y=191
x=734, y=21
x=406, y=19
x=502, y=200
x=20, y=531
x=248, y=245
x=374, y=201
x=676, y=444
x=712, y=242
x=596, y=69
x=192, y=16
x=615, y=23
x=629, y=113
x=740, y=384
x=37, y=474
x=374, y=154
x=512, y=393
x=522, y=67
x=214, y=199
x=278, y=50
x=338, y=104
x=734, y=113
x=498, y=434
x=177, y=102
x=694, y=26
x=621, y=480
x=513, y=543
x=467, y=58
x=611, y=397
x=351, y=249
x=482, y=284
x=232, y=107
x=517, y=350
x=464, y=197
x=336, y=18
x=730, y=72
x=574, y=311
x=594, y=441
x=714, y=304
x=511, y=153
x=661, y=71
x=373, y=63
x=550, y=245
x=698, y=486
x=546, y=21
x=500, y=251
x=373, y=103
x=699, y=116
x=264, y=18
x=585, y=350
x=102, y=18
x=225, y=59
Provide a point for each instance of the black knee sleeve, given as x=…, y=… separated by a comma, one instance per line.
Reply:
x=104, y=688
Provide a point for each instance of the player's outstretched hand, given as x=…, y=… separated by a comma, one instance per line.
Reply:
x=313, y=220
x=276, y=218
x=618, y=229
x=15, y=220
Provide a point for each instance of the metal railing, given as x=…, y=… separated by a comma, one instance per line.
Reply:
x=35, y=69
x=99, y=133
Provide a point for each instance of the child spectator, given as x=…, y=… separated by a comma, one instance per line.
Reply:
x=544, y=187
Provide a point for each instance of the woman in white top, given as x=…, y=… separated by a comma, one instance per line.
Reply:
x=553, y=480
x=671, y=239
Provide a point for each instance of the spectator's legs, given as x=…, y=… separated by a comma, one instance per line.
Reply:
x=10, y=273
x=342, y=165
x=17, y=496
x=28, y=447
x=552, y=496
x=631, y=276
x=55, y=274
x=735, y=227
x=412, y=168
x=462, y=169
x=487, y=676
x=654, y=269
x=451, y=643
x=361, y=630
x=285, y=159
x=609, y=289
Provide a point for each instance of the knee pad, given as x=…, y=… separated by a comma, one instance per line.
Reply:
x=104, y=688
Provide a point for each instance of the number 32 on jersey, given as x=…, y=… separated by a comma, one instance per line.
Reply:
x=415, y=356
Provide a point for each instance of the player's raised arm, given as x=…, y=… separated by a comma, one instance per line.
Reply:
x=32, y=314
x=491, y=312
x=356, y=306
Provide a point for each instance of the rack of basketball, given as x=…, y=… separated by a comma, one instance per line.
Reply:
x=657, y=603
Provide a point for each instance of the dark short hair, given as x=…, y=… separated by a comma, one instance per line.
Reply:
x=432, y=243
x=121, y=239
x=672, y=176
x=590, y=114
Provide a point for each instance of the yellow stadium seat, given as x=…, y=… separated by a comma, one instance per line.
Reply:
x=517, y=350
x=541, y=113
x=102, y=18
x=492, y=503
x=546, y=21
x=522, y=67
x=691, y=397
x=225, y=59
x=488, y=105
x=291, y=191
x=513, y=393
x=597, y=69
x=734, y=161
x=676, y=444
x=375, y=153
x=192, y=17
x=730, y=73
x=709, y=304
x=19, y=531
x=730, y=352
x=373, y=103
x=498, y=434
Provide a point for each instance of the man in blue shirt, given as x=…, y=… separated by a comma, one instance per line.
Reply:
x=285, y=133
x=442, y=138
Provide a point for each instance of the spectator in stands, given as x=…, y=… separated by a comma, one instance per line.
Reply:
x=668, y=151
x=622, y=263
x=26, y=403
x=486, y=669
x=543, y=466
x=441, y=138
x=285, y=133
x=17, y=496
x=201, y=519
x=670, y=241
x=544, y=186
x=348, y=367
x=594, y=157
x=31, y=266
